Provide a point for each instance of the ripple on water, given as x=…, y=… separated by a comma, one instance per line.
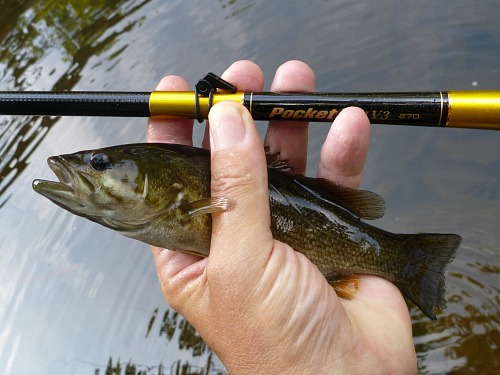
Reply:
x=466, y=336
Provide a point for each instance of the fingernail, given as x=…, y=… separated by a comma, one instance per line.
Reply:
x=226, y=126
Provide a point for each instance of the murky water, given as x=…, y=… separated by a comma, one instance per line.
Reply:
x=76, y=298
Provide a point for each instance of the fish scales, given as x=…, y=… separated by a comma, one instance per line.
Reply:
x=314, y=230
x=160, y=194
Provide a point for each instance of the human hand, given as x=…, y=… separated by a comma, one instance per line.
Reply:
x=262, y=307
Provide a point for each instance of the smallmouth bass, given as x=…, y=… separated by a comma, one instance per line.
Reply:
x=160, y=194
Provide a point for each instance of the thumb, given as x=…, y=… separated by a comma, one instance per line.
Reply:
x=241, y=236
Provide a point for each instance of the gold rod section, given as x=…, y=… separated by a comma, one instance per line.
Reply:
x=171, y=104
x=478, y=108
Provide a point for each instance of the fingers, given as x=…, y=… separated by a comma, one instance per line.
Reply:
x=246, y=76
x=241, y=236
x=344, y=152
x=170, y=131
x=290, y=138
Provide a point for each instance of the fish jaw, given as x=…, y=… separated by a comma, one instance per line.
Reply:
x=72, y=184
x=55, y=191
x=61, y=169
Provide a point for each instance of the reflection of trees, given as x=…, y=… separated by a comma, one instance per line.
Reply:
x=177, y=368
x=189, y=338
x=29, y=32
x=172, y=326
x=237, y=10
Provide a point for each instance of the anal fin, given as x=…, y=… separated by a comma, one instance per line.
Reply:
x=345, y=285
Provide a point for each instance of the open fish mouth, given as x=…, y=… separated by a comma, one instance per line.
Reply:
x=71, y=182
x=61, y=169
x=64, y=174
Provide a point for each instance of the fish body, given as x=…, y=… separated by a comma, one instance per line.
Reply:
x=160, y=194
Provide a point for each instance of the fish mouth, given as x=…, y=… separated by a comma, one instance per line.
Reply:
x=72, y=182
x=61, y=169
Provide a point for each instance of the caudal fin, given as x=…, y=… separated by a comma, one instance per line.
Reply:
x=422, y=279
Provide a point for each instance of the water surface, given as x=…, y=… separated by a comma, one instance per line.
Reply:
x=76, y=298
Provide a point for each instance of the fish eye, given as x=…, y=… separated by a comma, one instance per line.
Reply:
x=100, y=162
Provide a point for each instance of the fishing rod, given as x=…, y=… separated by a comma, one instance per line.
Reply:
x=451, y=109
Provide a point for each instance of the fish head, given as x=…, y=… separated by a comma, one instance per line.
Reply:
x=110, y=186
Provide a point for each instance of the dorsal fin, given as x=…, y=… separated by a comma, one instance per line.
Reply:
x=362, y=203
x=274, y=161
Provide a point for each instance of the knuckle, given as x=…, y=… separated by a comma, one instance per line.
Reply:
x=232, y=177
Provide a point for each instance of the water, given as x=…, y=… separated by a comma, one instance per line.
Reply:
x=76, y=298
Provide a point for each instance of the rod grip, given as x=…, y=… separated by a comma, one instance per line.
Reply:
x=396, y=108
x=75, y=103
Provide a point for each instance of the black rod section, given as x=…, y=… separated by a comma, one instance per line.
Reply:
x=75, y=103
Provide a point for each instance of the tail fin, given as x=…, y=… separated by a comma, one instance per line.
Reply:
x=422, y=279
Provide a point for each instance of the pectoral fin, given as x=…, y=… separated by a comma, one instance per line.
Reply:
x=345, y=286
x=205, y=206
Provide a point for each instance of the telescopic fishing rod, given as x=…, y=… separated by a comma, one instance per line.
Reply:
x=451, y=109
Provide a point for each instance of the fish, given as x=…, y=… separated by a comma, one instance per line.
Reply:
x=160, y=194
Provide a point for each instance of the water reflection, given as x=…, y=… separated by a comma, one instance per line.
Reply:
x=235, y=11
x=43, y=40
x=172, y=326
x=465, y=337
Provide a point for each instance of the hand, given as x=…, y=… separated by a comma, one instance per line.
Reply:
x=262, y=307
